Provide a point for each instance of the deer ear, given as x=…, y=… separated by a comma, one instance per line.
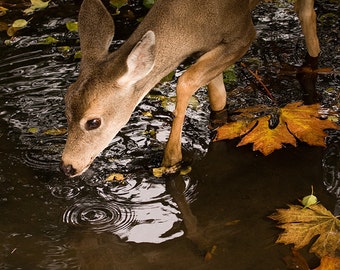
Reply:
x=140, y=60
x=96, y=30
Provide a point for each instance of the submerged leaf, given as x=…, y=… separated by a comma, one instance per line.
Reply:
x=301, y=225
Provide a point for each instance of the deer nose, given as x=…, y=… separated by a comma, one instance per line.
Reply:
x=68, y=170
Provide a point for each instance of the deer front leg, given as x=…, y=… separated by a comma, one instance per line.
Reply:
x=205, y=70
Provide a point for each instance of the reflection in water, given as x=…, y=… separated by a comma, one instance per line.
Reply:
x=331, y=168
x=137, y=211
x=33, y=80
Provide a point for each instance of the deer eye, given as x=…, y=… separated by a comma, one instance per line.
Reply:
x=93, y=124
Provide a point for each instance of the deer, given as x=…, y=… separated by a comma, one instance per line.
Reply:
x=111, y=84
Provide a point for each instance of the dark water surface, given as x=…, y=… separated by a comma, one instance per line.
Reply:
x=50, y=222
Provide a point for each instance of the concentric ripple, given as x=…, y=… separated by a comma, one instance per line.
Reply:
x=65, y=192
x=42, y=153
x=100, y=217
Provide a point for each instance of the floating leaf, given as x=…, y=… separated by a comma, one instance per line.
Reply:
x=56, y=131
x=230, y=76
x=185, y=170
x=77, y=55
x=3, y=26
x=309, y=200
x=115, y=177
x=3, y=11
x=64, y=49
x=268, y=140
x=36, y=4
x=294, y=121
x=147, y=114
x=302, y=224
x=168, y=77
x=11, y=31
x=118, y=3
x=20, y=23
x=33, y=130
x=329, y=263
x=148, y=3
x=49, y=40
x=158, y=172
x=72, y=26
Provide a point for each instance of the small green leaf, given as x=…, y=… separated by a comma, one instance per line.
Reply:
x=77, y=55
x=56, y=131
x=118, y=3
x=20, y=23
x=229, y=75
x=72, y=26
x=309, y=200
x=148, y=3
x=64, y=49
x=33, y=130
x=36, y=4
x=49, y=40
x=168, y=77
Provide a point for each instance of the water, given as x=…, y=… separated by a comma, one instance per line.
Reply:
x=143, y=222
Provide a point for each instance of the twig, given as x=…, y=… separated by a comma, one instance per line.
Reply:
x=258, y=78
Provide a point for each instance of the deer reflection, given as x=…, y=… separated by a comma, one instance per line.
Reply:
x=176, y=187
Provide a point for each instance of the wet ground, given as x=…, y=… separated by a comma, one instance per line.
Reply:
x=51, y=222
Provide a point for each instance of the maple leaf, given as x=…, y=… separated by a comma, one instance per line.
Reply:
x=302, y=224
x=329, y=263
x=295, y=121
x=304, y=123
x=268, y=140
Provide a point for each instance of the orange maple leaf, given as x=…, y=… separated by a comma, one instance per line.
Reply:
x=329, y=263
x=304, y=123
x=296, y=121
x=268, y=140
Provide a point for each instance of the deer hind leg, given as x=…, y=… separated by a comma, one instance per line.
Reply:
x=206, y=70
x=218, y=102
x=307, y=17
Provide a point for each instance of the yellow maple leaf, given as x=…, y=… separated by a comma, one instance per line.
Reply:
x=329, y=263
x=302, y=224
x=294, y=121
x=268, y=140
x=234, y=129
x=304, y=123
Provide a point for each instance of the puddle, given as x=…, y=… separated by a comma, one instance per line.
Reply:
x=144, y=222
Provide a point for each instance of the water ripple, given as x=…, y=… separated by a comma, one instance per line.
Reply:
x=100, y=216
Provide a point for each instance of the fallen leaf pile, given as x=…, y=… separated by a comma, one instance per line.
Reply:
x=277, y=126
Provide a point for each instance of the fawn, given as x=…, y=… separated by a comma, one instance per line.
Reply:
x=110, y=85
